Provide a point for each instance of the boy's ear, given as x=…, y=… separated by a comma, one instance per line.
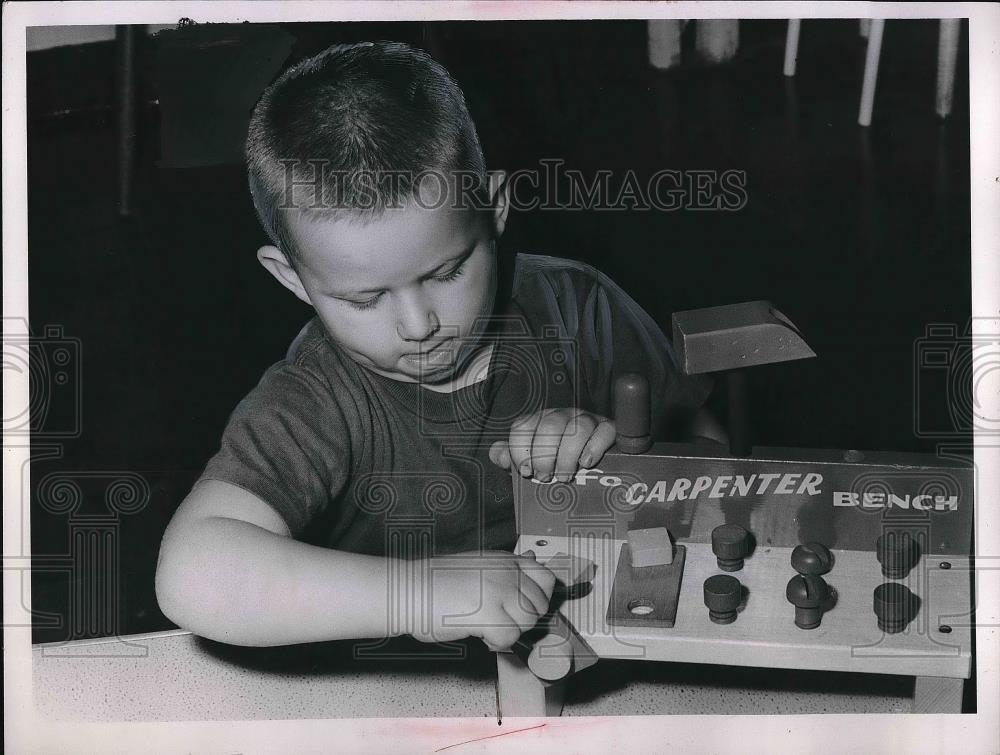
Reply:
x=499, y=199
x=275, y=262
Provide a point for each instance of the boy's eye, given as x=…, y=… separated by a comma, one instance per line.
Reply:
x=366, y=304
x=452, y=274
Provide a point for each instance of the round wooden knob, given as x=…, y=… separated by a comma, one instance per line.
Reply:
x=722, y=595
x=898, y=552
x=812, y=558
x=731, y=543
x=895, y=606
x=809, y=594
x=548, y=660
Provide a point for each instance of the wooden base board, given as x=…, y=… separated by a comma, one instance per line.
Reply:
x=938, y=643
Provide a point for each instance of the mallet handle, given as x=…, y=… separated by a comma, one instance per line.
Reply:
x=738, y=413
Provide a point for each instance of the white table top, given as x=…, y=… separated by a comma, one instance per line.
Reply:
x=175, y=676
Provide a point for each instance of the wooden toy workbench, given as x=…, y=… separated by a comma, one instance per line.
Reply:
x=896, y=576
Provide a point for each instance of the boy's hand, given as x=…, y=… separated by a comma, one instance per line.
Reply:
x=554, y=442
x=496, y=596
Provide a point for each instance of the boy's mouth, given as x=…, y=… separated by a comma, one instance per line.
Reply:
x=438, y=356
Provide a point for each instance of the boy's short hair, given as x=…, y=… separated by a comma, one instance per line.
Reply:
x=355, y=129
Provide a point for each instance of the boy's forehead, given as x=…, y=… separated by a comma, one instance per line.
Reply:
x=394, y=242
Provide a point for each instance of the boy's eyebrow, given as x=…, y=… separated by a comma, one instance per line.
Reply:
x=461, y=256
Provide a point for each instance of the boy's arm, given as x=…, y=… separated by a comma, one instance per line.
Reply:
x=228, y=570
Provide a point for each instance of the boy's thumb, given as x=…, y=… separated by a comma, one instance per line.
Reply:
x=500, y=454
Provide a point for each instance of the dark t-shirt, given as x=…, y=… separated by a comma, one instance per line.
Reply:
x=356, y=461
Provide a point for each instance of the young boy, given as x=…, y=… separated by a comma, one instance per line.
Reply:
x=362, y=489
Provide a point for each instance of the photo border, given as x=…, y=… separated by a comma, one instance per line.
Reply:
x=26, y=732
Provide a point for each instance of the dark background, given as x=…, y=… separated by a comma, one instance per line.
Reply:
x=860, y=236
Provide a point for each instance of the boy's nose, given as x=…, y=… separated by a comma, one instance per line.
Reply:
x=416, y=320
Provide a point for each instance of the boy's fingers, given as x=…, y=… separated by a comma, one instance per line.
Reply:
x=522, y=432
x=531, y=596
x=555, y=442
x=541, y=576
x=502, y=637
x=524, y=618
x=500, y=454
x=600, y=441
x=548, y=437
x=578, y=433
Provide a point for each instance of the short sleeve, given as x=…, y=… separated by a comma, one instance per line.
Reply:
x=287, y=442
x=614, y=335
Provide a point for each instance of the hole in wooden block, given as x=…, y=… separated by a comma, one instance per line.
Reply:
x=541, y=542
x=641, y=606
x=944, y=629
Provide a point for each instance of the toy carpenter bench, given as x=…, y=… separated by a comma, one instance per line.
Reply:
x=777, y=558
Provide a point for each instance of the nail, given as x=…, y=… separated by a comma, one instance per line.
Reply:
x=525, y=469
x=586, y=460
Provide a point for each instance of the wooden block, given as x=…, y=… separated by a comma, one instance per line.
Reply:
x=650, y=547
x=571, y=570
x=521, y=693
x=583, y=655
x=646, y=597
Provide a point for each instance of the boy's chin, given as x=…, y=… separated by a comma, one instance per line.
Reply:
x=423, y=375
x=441, y=375
x=437, y=375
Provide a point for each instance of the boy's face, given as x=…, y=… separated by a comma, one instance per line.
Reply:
x=403, y=294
